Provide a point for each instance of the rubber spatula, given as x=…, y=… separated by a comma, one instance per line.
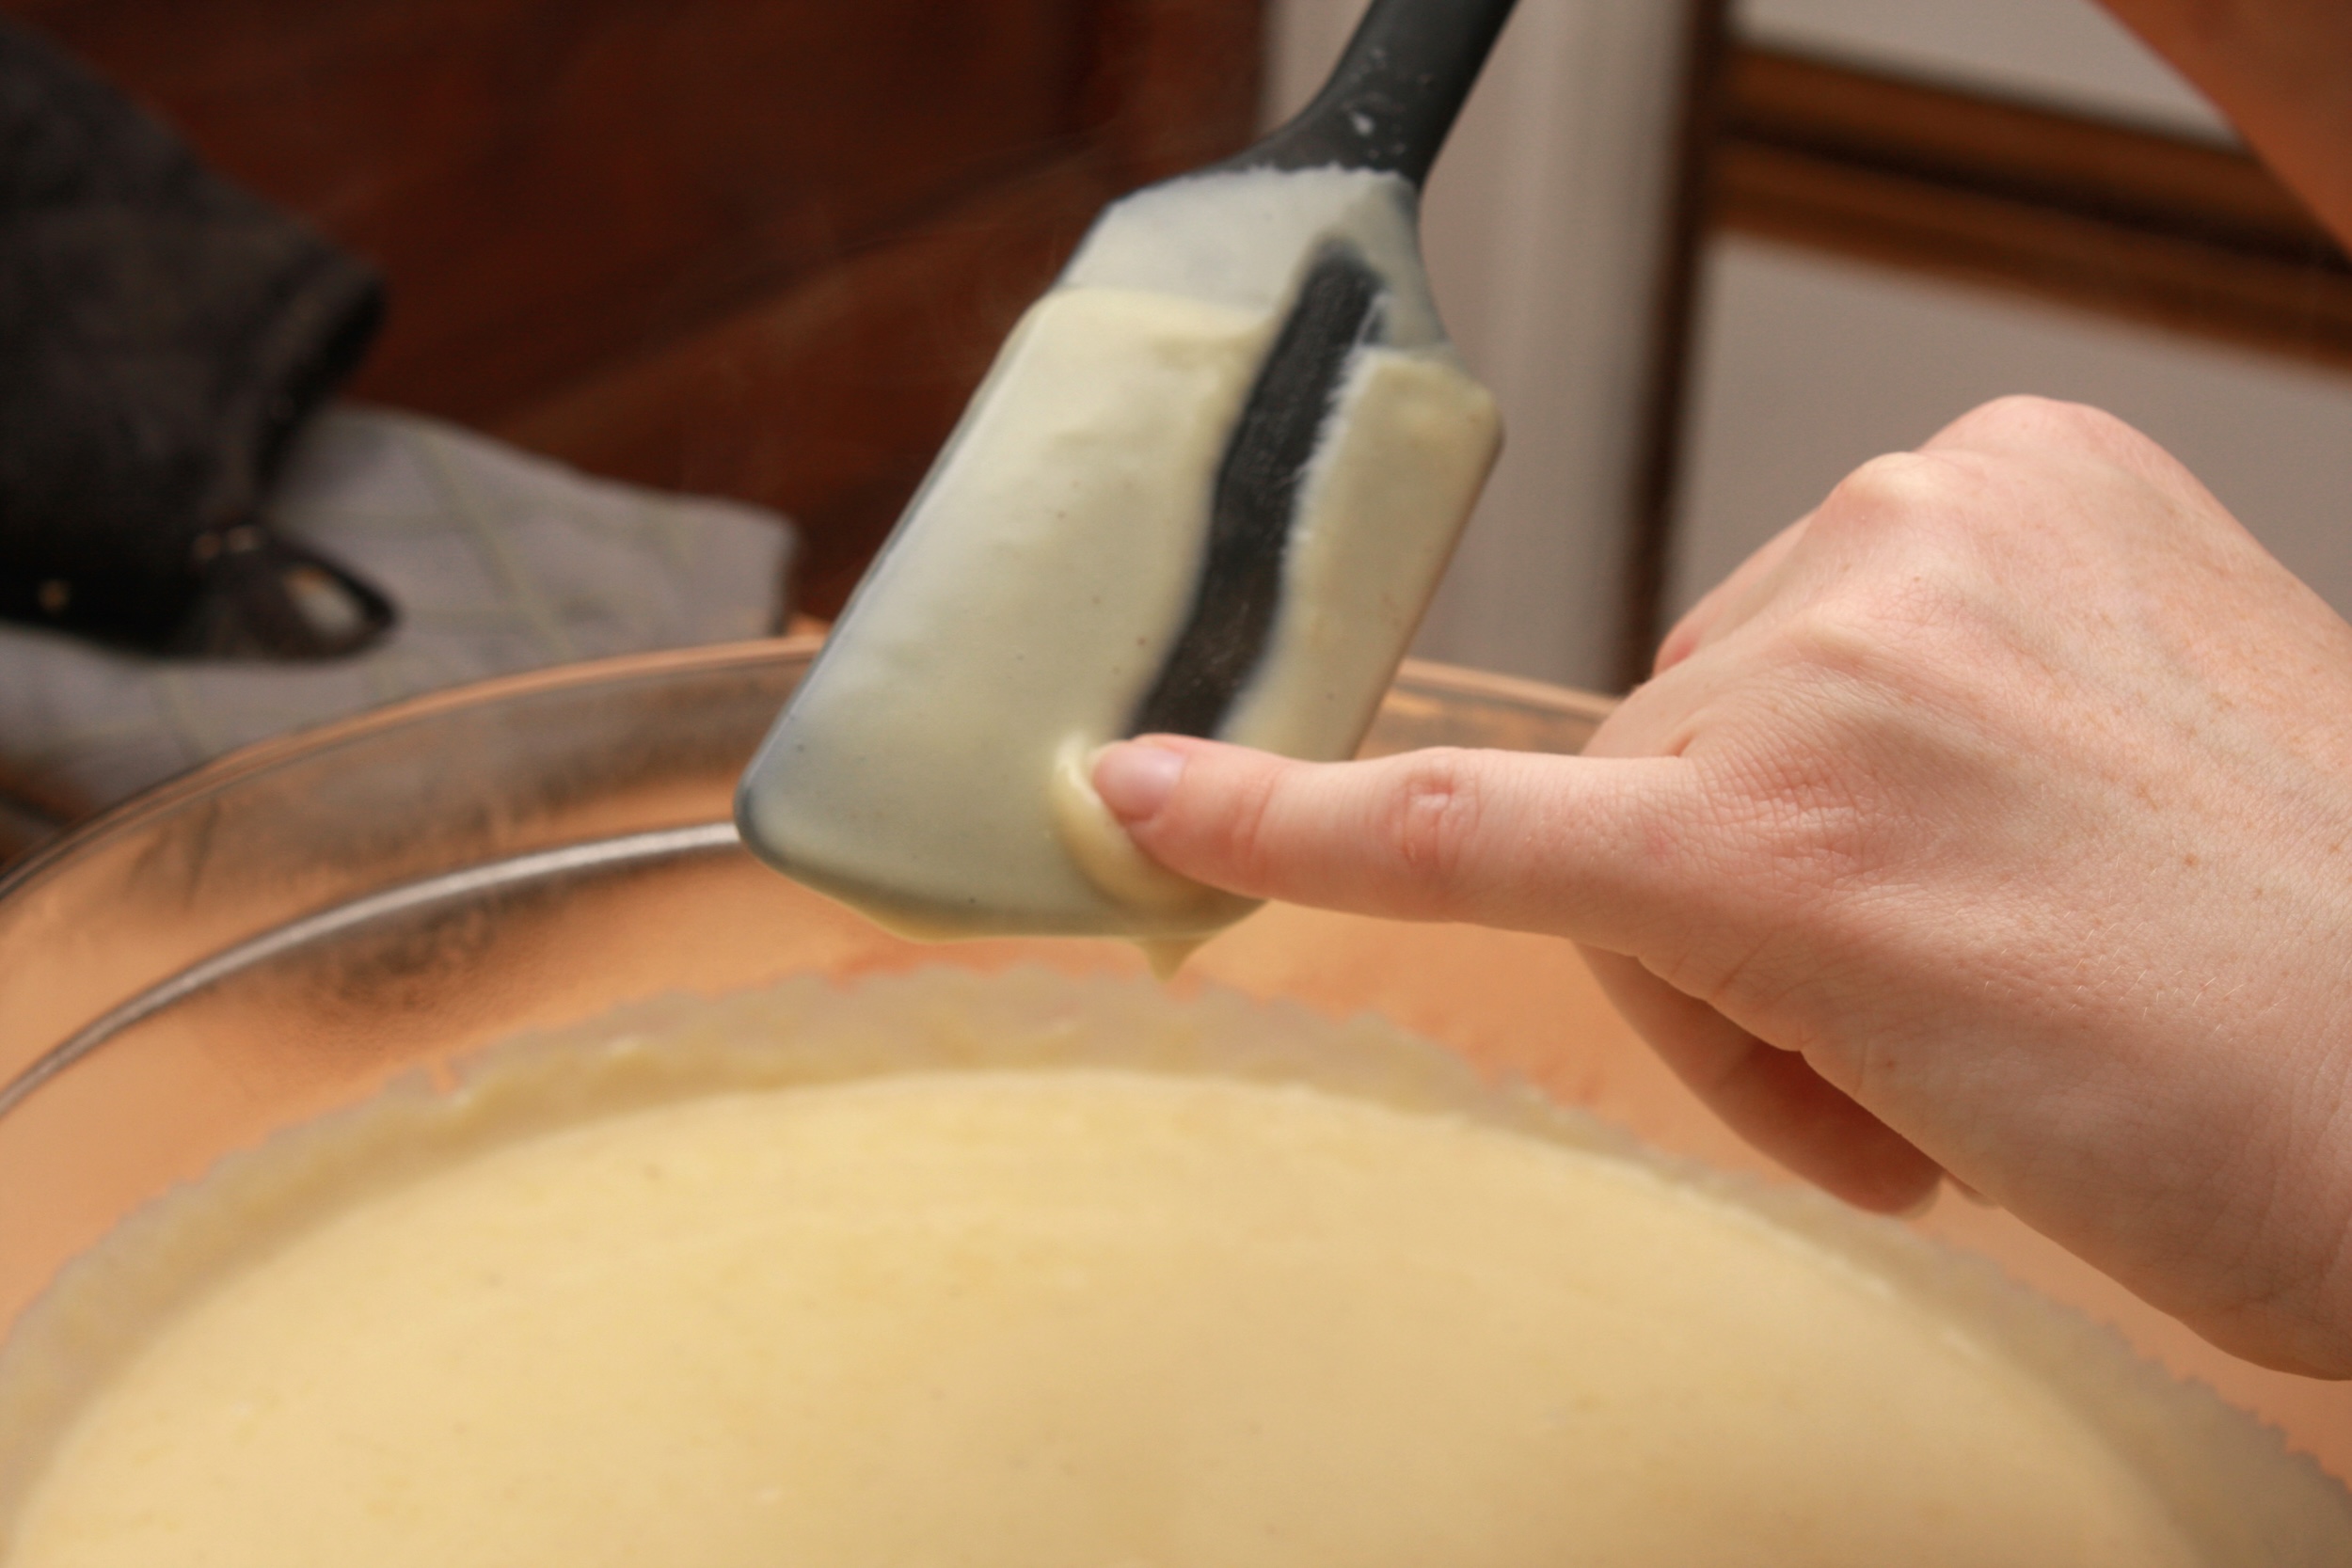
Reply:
x=1206, y=488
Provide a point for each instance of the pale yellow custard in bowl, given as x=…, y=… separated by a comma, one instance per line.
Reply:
x=961, y=1270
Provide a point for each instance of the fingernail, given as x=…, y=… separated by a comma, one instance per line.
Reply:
x=1136, y=780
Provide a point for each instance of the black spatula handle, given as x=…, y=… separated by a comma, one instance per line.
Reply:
x=1393, y=95
x=1255, y=503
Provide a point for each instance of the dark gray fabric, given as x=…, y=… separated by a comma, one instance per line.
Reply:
x=507, y=562
x=161, y=335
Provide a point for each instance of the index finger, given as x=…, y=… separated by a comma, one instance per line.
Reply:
x=1577, y=847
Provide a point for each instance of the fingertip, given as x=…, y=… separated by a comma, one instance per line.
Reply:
x=1537, y=843
x=1849, y=1153
x=1135, y=778
x=1905, y=1187
x=1773, y=1097
x=1838, y=1144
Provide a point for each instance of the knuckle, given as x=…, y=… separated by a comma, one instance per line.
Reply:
x=1433, y=817
x=2022, y=419
x=1881, y=624
x=2017, y=414
x=2078, y=421
x=1893, y=473
x=1888, y=628
x=1789, y=928
x=1839, y=636
x=1891, y=486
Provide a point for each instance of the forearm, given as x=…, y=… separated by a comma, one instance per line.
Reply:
x=2281, y=70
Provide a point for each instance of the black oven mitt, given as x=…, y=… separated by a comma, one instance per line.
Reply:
x=161, y=335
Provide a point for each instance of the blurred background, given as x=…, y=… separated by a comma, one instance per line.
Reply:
x=1798, y=234
x=1710, y=255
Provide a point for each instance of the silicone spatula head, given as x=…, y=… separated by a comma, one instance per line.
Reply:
x=1207, y=488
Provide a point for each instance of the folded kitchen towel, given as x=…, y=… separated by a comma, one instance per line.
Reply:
x=163, y=336
x=501, y=562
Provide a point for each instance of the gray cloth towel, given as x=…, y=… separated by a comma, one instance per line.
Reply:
x=163, y=336
x=500, y=560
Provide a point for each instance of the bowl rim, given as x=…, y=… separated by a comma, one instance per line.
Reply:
x=308, y=740
x=58, y=857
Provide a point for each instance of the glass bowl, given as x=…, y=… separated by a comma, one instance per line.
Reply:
x=285, y=930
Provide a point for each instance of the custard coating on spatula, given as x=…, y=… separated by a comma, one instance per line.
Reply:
x=1069, y=572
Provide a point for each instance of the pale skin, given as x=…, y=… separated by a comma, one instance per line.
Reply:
x=1994, y=821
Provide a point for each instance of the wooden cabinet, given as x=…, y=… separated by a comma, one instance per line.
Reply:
x=752, y=247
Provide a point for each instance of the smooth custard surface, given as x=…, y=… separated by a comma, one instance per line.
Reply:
x=1060, y=1316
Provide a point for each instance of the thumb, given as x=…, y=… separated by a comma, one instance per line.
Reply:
x=1574, y=846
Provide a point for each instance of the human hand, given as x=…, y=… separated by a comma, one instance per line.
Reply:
x=1992, y=820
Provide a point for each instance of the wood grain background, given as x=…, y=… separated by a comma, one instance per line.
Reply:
x=761, y=248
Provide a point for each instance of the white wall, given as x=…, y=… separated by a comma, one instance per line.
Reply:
x=1540, y=230
x=1810, y=365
